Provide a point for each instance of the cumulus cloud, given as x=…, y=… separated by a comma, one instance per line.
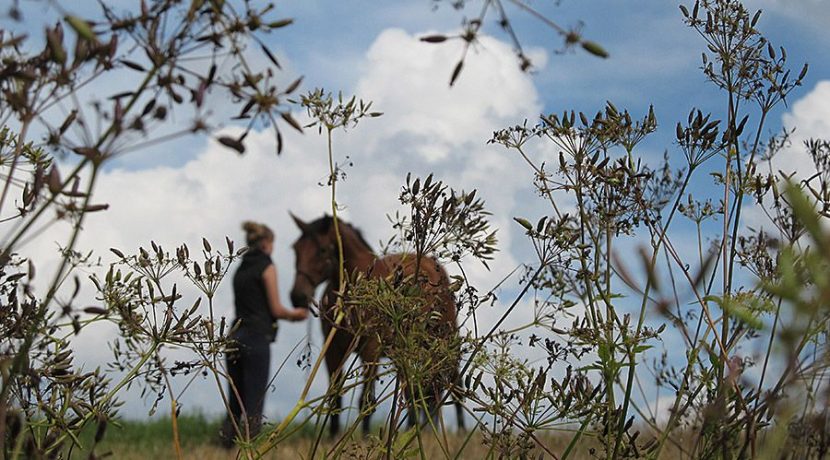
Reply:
x=427, y=127
x=809, y=119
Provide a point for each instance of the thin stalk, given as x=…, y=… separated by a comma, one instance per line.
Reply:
x=579, y=433
x=18, y=150
x=174, y=415
x=435, y=430
x=270, y=441
x=641, y=320
x=301, y=402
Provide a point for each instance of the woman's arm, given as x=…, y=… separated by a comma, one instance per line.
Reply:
x=278, y=310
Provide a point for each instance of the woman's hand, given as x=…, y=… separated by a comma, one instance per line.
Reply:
x=298, y=314
x=272, y=292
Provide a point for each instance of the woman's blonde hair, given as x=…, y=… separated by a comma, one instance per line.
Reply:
x=255, y=233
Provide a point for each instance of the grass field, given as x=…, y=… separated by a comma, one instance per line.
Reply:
x=131, y=440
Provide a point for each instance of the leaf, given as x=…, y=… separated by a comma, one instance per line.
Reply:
x=806, y=213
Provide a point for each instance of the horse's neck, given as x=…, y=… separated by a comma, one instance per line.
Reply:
x=356, y=255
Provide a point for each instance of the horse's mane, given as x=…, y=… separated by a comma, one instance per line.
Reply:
x=323, y=224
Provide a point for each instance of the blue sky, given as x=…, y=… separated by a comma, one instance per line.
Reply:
x=181, y=191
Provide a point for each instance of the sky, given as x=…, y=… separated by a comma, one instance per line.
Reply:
x=179, y=192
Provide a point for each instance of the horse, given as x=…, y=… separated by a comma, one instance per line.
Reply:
x=317, y=262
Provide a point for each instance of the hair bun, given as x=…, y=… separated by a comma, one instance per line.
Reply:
x=256, y=232
x=250, y=226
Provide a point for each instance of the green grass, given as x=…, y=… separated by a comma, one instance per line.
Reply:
x=153, y=439
x=150, y=437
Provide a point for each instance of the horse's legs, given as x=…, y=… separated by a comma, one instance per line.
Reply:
x=459, y=406
x=459, y=414
x=333, y=364
x=412, y=414
x=413, y=410
x=335, y=357
x=370, y=356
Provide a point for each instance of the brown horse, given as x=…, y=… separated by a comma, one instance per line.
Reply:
x=317, y=261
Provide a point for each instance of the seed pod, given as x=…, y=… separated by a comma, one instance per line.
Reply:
x=95, y=310
x=54, y=180
x=293, y=86
x=291, y=121
x=228, y=141
x=281, y=23
x=54, y=40
x=456, y=72
x=434, y=38
x=96, y=207
x=81, y=27
x=594, y=49
x=524, y=223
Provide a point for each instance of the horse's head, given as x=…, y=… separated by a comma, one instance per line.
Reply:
x=316, y=258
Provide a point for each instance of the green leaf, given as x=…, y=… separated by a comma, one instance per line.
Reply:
x=806, y=213
x=641, y=348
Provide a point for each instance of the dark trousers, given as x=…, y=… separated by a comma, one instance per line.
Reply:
x=248, y=371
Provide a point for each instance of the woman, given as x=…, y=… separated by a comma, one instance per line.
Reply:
x=258, y=307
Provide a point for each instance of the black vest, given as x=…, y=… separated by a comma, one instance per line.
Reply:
x=252, y=311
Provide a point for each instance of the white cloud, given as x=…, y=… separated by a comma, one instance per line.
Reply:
x=809, y=118
x=810, y=115
x=409, y=80
x=427, y=127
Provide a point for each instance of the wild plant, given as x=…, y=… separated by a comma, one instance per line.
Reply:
x=721, y=303
x=169, y=58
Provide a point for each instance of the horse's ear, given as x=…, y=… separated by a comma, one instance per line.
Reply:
x=326, y=221
x=302, y=225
